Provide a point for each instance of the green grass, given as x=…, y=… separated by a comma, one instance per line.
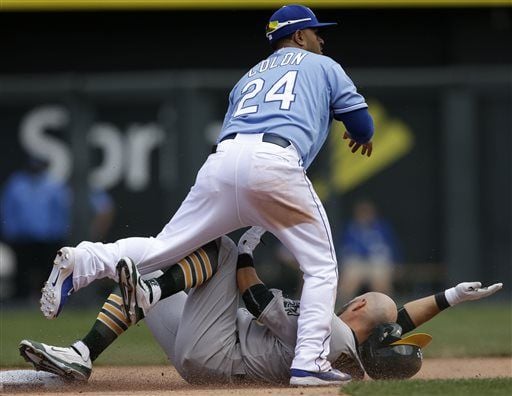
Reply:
x=458, y=387
x=470, y=330
x=136, y=346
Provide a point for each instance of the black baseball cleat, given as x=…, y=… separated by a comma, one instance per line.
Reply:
x=139, y=295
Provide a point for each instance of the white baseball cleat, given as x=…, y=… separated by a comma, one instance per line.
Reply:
x=72, y=363
x=139, y=295
x=308, y=378
x=250, y=239
x=59, y=286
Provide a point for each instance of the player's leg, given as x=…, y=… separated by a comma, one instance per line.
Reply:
x=316, y=257
x=207, y=213
x=206, y=345
x=140, y=295
x=74, y=268
x=113, y=320
x=75, y=362
x=163, y=321
x=192, y=271
x=281, y=199
x=319, y=266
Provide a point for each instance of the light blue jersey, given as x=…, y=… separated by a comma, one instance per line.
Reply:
x=294, y=94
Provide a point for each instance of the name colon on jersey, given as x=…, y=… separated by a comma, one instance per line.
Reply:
x=288, y=59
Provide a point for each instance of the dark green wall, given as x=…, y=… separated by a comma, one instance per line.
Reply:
x=78, y=41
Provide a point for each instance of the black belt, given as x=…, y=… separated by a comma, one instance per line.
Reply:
x=267, y=138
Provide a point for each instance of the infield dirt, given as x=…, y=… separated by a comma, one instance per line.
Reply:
x=160, y=380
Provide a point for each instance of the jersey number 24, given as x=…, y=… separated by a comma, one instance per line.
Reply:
x=281, y=91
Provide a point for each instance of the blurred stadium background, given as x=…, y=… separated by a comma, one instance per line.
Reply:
x=127, y=97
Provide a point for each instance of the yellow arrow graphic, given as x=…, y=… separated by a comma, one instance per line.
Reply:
x=393, y=139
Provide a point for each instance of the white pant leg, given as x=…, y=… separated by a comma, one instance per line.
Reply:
x=208, y=211
x=279, y=197
x=95, y=260
x=250, y=182
x=315, y=254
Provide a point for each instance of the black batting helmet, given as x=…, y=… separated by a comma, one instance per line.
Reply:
x=385, y=355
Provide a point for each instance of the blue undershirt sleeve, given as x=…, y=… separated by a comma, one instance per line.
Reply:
x=359, y=124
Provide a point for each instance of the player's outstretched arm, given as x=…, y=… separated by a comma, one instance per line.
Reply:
x=417, y=312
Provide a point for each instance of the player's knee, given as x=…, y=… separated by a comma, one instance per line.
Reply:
x=187, y=366
x=194, y=369
x=189, y=360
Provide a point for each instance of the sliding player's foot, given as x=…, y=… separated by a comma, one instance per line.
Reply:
x=71, y=363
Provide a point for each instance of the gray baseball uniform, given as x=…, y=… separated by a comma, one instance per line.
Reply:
x=209, y=339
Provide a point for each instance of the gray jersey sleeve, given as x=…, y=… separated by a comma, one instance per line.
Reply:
x=343, y=353
x=280, y=316
x=268, y=342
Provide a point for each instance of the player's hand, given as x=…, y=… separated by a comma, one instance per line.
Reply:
x=366, y=147
x=469, y=291
x=250, y=239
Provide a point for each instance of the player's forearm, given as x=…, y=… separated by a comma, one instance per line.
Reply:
x=255, y=294
x=246, y=275
x=417, y=312
x=359, y=124
x=246, y=278
x=422, y=310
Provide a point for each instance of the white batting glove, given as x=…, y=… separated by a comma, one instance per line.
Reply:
x=250, y=239
x=469, y=291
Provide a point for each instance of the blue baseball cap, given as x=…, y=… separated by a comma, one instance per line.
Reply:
x=289, y=19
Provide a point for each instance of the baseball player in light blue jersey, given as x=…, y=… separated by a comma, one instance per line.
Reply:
x=292, y=97
x=293, y=94
x=278, y=117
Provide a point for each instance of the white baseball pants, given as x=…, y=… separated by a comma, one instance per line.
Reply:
x=246, y=182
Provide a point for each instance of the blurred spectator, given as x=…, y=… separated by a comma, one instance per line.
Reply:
x=7, y=271
x=103, y=215
x=36, y=221
x=368, y=252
